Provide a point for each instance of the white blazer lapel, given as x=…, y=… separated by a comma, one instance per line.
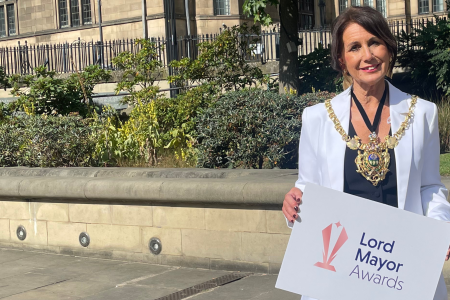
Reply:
x=335, y=146
x=399, y=105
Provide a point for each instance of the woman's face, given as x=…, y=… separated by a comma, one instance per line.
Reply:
x=365, y=56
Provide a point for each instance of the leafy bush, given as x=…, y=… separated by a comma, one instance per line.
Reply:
x=222, y=62
x=140, y=71
x=444, y=125
x=46, y=141
x=177, y=119
x=49, y=95
x=316, y=73
x=135, y=140
x=165, y=126
x=252, y=128
x=4, y=79
x=426, y=52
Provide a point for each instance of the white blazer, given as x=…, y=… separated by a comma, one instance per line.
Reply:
x=419, y=186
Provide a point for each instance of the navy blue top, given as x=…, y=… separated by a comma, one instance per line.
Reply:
x=355, y=184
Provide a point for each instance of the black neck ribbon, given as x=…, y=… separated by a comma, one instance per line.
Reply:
x=376, y=121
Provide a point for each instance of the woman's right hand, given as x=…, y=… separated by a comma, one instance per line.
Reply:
x=291, y=204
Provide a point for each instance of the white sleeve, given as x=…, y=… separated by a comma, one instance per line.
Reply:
x=432, y=191
x=307, y=166
x=307, y=154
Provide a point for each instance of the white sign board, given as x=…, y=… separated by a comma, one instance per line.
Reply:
x=347, y=247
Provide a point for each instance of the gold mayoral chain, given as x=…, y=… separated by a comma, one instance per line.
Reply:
x=373, y=158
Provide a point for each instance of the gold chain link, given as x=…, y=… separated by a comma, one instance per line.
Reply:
x=347, y=138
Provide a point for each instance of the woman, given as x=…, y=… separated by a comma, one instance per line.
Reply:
x=372, y=140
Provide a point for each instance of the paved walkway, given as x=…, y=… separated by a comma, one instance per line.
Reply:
x=39, y=276
x=32, y=275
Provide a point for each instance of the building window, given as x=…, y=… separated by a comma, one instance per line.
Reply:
x=11, y=19
x=342, y=5
x=221, y=7
x=438, y=5
x=368, y=3
x=356, y=3
x=2, y=22
x=63, y=14
x=74, y=13
x=7, y=19
x=306, y=14
x=86, y=9
x=381, y=7
x=423, y=7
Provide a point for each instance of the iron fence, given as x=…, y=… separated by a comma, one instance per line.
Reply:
x=77, y=55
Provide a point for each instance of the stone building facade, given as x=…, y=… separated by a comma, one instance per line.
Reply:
x=55, y=21
x=395, y=10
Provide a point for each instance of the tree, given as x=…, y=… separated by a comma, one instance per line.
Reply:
x=288, y=67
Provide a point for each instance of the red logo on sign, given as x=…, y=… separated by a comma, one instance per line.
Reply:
x=326, y=234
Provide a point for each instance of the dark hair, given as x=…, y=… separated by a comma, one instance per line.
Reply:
x=372, y=21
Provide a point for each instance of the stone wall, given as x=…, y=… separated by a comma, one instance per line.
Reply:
x=217, y=219
x=36, y=15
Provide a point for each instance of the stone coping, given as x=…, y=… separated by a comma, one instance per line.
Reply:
x=202, y=186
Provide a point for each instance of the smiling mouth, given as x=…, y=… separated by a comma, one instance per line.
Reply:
x=371, y=68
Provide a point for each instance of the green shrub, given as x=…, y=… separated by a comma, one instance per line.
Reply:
x=177, y=118
x=46, y=141
x=444, y=125
x=163, y=127
x=252, y=128
x=140, y=72
x=4, y=79
x=426, y=52
x=223, y=61
x=316, y=73
x=47, y=94
x=136, y=140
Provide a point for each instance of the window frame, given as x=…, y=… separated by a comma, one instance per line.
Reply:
x=442, y=5
x=383, y=9
x=370, y=3
x=343, y=5
x=419, y=7
x=8, y=31
x=216, y=8
x=75, y=12
x=5, y=27
x=83, y=21
x=81, y=16
x=67, y=19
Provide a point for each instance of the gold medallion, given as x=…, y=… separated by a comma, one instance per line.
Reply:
x=373, y=158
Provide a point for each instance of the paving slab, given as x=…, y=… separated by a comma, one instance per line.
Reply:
x=134, y=292
x=71, y=289
x=78, y=267
x=9, y=255
x=46, y=260
x=40, y=295
x=9, y=269
x=128, y=272
x=25, y=282
x=182, y=278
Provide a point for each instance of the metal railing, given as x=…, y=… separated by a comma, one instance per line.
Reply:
x=77, y=55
